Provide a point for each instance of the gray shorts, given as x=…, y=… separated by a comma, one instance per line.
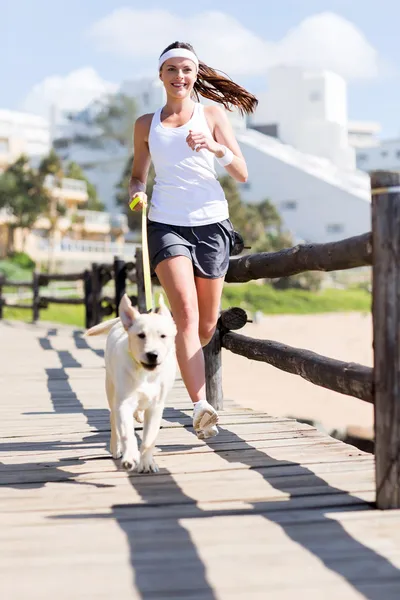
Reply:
x=207, y=246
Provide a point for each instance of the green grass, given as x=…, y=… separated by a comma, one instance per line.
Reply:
x=250, y=296
x=253, y=297
x=57, y=313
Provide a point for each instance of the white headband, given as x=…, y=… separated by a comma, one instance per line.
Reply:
x=178, y=53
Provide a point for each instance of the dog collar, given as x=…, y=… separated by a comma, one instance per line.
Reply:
x=134, y=359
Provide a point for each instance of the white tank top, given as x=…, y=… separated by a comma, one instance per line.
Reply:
x=186, y=190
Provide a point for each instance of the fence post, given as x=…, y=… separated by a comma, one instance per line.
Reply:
x=119, y=281
x=87, y=290
x=141, y=297
x=213, y=367
x=35, y=296
x=2, y=281
x=95, y=294
x=386, y=327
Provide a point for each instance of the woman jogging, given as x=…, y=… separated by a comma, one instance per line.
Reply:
x=190, y=236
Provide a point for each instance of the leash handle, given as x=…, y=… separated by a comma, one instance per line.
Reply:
x=133, y=202
x=145, y=256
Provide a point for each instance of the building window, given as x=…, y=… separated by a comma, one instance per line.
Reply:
x=314, y=97
x=362, y=157
x=384, y=153
x=334, y=228
x=397, y=153
x=4, y=146
x=289, y=205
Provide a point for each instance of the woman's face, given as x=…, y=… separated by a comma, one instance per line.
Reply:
x=178, y=76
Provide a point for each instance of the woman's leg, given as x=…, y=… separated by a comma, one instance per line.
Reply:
x=209, y=293
x=176, y=277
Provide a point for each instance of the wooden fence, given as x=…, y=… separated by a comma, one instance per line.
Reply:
x=379, y=385
x=97, y=305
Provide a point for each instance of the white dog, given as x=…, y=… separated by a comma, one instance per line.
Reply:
x=140, y=371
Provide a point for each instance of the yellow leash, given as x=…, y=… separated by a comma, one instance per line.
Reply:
x=145, y=257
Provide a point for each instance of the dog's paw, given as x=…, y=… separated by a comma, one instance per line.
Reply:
x=116, y=451
x=139, y=415
x=130, y=461
x=147, y=464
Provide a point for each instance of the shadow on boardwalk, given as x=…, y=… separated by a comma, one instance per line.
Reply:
x=153, y=564
x=175, y=569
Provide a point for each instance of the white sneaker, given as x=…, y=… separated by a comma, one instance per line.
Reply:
x=204, y=416
x=207, y=433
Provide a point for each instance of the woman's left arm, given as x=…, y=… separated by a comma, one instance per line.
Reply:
x=223, y=137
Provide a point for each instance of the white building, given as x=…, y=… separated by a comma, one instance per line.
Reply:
x=363, y=134
x=22, y=133
x=318, y=201
x=301, y=158
x=309, y=112
x=385, y=156
x=297, y=147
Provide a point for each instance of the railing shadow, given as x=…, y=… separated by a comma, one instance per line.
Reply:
x=151, y=527
x=154, y=567
x=356, y=563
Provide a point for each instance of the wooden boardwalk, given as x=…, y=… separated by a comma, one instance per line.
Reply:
x=269, y=509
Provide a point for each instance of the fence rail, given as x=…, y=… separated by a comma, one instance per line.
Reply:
x=343, y=377
x=333, y=256
x=97, y=305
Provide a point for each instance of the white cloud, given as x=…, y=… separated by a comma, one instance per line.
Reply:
x=331, y=42
x=67, y=93
x=324, y=40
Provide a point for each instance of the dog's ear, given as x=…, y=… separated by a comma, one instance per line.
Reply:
x=127, y=312
x=162, y=309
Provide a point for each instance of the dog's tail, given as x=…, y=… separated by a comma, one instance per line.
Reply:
x=102, y=327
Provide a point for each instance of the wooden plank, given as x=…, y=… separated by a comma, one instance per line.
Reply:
x=206, y=465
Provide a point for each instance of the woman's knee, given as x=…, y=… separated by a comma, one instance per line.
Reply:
x=206, y=331
x=186, y=318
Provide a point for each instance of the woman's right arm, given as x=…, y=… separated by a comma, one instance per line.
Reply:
x=141, y=160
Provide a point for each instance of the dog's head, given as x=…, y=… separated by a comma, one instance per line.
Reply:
x=151, y=336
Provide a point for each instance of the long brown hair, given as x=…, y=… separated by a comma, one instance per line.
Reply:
x=220, y=88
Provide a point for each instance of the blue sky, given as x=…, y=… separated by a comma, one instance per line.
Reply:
x=67, y=45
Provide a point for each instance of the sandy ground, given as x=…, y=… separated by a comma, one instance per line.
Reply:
x=256, y=385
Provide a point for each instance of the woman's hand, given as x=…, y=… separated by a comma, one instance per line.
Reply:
x=199, y=141
x=142, y=201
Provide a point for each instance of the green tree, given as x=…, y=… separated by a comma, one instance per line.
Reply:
x=51, y=165
x=24, y=197
x=122, y=194
x=259, y=224
x=74, y=171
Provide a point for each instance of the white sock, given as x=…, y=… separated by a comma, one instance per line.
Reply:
x=201, y=404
